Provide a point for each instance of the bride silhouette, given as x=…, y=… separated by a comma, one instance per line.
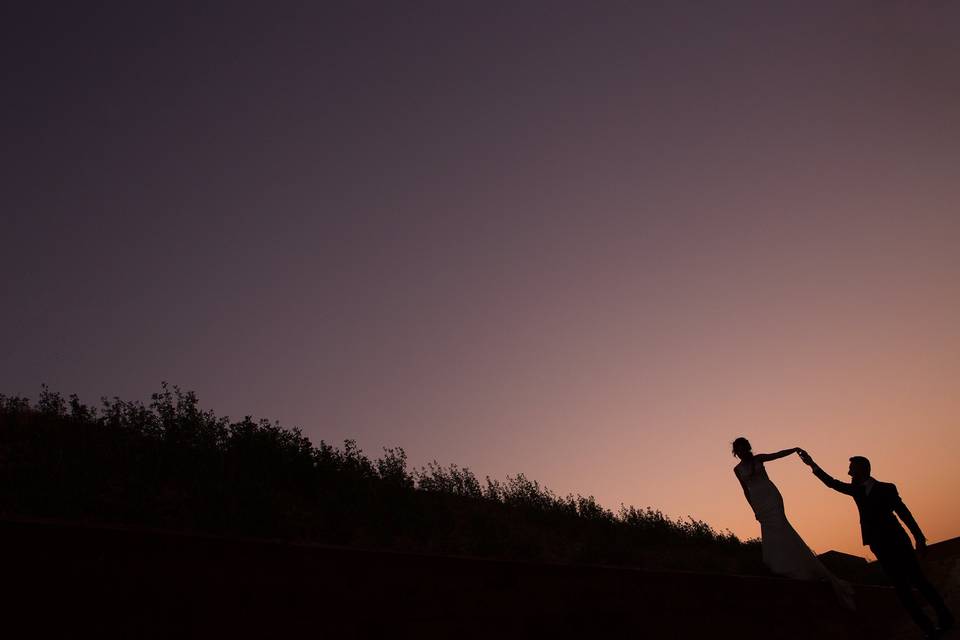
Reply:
x=784, y=551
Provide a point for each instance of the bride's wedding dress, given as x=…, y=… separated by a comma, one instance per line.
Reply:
x=784, y=551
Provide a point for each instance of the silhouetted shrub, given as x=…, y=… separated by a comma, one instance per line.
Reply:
x=172, y=464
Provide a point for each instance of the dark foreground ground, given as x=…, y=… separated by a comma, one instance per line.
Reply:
x=69, y=580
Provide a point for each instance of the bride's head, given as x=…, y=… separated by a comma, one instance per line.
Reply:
x=742, y=448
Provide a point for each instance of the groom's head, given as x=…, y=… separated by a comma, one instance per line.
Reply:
x=859, y=469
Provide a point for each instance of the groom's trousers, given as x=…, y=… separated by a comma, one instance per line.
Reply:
x=900, y=563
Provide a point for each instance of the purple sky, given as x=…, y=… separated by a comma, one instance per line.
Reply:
x=592, y=242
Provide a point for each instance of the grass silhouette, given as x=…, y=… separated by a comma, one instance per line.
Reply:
x=172, y=464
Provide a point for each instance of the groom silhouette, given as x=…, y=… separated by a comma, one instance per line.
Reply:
x=877, y=502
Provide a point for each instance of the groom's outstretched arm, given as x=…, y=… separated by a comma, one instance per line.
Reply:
x=826, y=478
x=830, y=481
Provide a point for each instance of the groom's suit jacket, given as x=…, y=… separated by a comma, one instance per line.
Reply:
x=878, y=525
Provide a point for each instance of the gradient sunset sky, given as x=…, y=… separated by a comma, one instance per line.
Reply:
x=592, y=242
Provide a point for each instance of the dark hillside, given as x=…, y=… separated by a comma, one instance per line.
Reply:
x=175, y=466
x=167, y=521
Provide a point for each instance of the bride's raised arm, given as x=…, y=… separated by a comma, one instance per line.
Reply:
x=766, y=457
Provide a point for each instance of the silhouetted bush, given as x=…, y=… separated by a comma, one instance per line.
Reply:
x=171, y=464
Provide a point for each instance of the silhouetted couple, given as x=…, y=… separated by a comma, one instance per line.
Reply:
x=785, y=553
